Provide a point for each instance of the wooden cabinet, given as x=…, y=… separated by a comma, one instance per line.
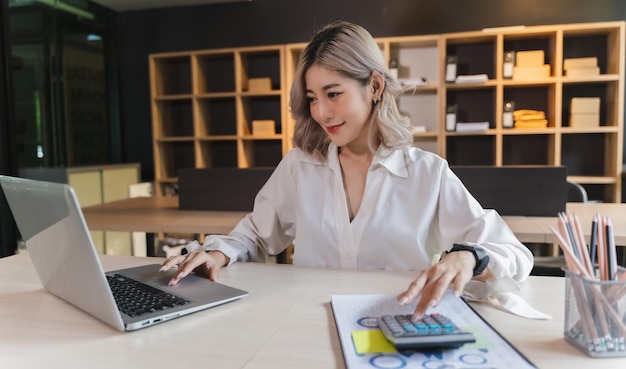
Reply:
x=204, y=106
x=202, y=111
x=96, y=185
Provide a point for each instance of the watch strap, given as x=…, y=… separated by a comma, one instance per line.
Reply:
x=482, y=259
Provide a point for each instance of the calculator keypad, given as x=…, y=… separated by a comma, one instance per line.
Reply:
x=433, y=330
x=430, y=324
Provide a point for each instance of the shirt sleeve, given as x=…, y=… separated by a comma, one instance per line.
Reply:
x=270, y=227
x=462, y=219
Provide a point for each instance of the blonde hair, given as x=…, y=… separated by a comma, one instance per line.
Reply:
x=349, y=50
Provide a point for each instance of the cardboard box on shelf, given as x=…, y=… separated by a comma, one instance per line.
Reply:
x=263, y=127
x=583, y=72
x=530, y=58
x=576, y=63
x=584, y=120
x=259, y=84
x=584, y=112
x=528, y=73
x=585, y=105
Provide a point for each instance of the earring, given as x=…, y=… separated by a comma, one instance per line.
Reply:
x=376, y=100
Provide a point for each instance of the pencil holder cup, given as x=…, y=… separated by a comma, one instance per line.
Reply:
x=594, y=315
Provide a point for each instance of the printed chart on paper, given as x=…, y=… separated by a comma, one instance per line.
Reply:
x=364, y=346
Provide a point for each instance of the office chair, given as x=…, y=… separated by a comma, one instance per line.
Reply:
x=553, y=265
x=576, y=193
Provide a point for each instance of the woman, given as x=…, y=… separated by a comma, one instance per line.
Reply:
x=354, y=193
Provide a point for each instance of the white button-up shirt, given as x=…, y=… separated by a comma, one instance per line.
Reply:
x=413, y=208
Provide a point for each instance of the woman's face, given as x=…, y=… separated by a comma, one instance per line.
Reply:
x=340, y=105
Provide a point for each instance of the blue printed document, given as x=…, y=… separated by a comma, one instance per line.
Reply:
x=364, y=346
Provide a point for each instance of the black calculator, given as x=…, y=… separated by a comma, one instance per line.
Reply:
x=433, y=331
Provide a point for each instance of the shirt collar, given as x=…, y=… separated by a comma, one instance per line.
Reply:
x=391, y=159
x=333, y=158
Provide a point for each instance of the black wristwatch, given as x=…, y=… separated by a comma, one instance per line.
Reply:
x=482, y=259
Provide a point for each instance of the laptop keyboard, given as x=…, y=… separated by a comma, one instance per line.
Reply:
x=134, y=298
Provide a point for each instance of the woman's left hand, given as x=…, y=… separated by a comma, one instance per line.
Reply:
x=454, y=270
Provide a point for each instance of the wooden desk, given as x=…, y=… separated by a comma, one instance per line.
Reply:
x=285, y=322
x=156, y=215
x=161, y=214
x=537, y=229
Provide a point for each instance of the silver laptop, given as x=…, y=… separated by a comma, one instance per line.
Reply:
x=57, y=239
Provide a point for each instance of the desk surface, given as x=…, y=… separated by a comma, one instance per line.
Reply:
x=537, y=229
x=161, y=214
x=158, y=214
x=285, y=322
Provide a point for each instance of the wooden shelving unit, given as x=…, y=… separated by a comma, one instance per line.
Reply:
x=202, y=110
x=592, y=155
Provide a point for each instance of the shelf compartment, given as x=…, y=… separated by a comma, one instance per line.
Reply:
x=544, y=41
x=216, y=117
x=174, y=155
x=171, y=74
x=609, y=107
x=585, y=154
x=259, y=63
x=531, y=149
x=217, y=153
x=477, y=105
x=215, y=72
x=260, y=153
x=599, y=43
x=474, y=55
x=260, y=108
x=416, y=58
x=471, y=150
x=533, y=98
x=293, y=52
x=423, y=109
x=173, y=117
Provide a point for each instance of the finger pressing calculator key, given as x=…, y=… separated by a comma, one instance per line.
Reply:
x=433, y=331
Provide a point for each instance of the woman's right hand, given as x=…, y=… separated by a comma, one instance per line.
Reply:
x=208, y=263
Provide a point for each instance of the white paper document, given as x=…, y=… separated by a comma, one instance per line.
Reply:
x=473, y=78
x=364, y=346
x=472, y=126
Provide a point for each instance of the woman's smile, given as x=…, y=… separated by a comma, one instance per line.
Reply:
x=334, y=128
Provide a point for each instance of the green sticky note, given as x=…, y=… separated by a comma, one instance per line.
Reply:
x=481, y=341
x=371, y=341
